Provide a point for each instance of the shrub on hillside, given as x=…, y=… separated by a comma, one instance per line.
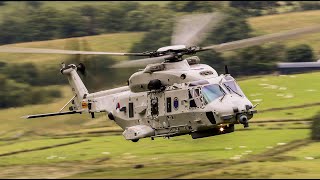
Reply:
x=310, y=5
x=15, y=94
x=315, y=128
x=300, y=53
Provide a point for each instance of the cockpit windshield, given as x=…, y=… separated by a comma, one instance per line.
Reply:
x=212, y=92
x=233, y=88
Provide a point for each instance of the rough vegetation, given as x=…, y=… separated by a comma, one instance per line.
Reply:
x=315, y=134
x=300, y=53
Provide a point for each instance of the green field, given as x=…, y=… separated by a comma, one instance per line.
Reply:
x=122, y=42
x=13, y=124
x=300, y=163
x=116, y=42
x=304, y=169
x=119, y=162
x=287, y=21
x=275, y=91
x=292, y=114
x=193, y=151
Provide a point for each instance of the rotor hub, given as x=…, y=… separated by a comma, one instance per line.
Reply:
x=176, y=52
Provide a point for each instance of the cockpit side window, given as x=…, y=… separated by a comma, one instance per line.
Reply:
x=195, y=98
x=233, y=88
x=212, y=92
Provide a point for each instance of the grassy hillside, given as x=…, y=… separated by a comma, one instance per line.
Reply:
x=299, y=163
x=122, y=42
x=13, y=125
x=116, y=42
x=113, y=157
x=282, y=22
x=283, y=91
x=163, y=149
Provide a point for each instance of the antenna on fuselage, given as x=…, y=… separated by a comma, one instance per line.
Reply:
x=226, y=69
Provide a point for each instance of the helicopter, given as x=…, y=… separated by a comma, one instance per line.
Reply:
x=172, y=95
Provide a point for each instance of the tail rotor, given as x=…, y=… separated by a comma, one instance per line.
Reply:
x=82, y=69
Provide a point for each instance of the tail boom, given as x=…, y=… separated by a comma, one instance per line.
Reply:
x=79, y=89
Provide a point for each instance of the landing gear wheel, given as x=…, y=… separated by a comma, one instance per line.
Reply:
x=135, y=140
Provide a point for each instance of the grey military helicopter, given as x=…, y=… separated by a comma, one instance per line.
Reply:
x=172, y=95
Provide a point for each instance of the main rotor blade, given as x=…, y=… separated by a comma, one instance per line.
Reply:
x=8, y=49
x=261, y=39
x=140, y=62
x=191, y=29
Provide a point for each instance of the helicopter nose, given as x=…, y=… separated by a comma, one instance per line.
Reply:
x=233, y=109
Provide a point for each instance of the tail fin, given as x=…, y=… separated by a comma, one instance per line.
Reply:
x=78, y=88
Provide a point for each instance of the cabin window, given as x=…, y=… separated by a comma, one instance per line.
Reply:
x=169, y=107
x=195, y=98
x=131, y=110
x=154, y=106
x=192, y=103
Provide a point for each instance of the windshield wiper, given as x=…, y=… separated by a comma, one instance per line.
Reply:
x=224, y=94
x=228, y=87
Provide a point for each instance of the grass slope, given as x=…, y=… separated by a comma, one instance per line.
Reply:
x=274, y=91
x=15, y=126
x=295, y=164
x=287, y=21
x=115, y=42
x=176, y=150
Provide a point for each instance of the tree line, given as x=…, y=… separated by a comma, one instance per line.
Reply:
x=17, y=89
x=35, y=22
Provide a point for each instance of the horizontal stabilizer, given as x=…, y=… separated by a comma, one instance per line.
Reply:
x=51, y=114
